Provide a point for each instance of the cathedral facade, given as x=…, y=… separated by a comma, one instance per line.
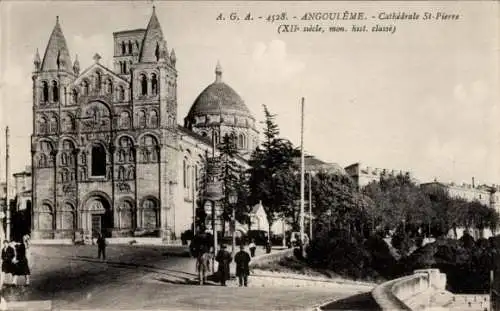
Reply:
x=108, y=154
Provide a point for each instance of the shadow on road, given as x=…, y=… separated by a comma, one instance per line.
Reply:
x=360, y=302
x=64, y=273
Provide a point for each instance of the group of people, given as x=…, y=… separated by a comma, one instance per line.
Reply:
x=224, y=259
x=15, y=261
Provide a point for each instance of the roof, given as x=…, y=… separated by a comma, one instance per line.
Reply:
x=129, y=31
x=57, y=53
x=218, y=98
x=256, y=208
x=312, y=163
x=152, y=41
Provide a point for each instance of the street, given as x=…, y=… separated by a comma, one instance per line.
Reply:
x=146, y=277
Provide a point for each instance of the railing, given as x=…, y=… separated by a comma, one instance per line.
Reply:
x=411, y=292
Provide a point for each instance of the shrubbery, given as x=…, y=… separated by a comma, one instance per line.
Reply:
x=465, y=262
x=349, y=255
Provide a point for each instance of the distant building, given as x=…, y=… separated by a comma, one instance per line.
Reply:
x=363, y=175
x=258, y=221
x=467, y=192
x=315, y=165
x=22, y=181
x=486, y=195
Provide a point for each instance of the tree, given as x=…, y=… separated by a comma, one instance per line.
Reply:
x=232, y=176
x=336, y=201
x=269, y=173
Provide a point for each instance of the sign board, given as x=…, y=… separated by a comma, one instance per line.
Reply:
x=214, y=191
x=214, y=188
x=208, y=207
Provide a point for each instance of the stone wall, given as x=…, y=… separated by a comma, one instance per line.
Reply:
x=411, y=292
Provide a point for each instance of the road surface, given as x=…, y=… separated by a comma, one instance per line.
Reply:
x=147, y=277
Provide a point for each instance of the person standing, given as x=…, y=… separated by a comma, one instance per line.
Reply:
x=203, y=264
x=101, y=247
x=21, y=264
x=8, y=255
x=224, y=259
x=252, y=248
x=242, y=260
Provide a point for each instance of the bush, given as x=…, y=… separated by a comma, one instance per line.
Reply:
x=346, y=254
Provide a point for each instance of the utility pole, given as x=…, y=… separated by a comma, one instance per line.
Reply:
x=310, y=210
x=302, y=179
x=194, y=199
x=7, y=174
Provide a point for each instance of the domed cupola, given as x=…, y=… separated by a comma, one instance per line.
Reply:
x=220, y=111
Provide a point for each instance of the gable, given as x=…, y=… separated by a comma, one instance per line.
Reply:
x=91, y=74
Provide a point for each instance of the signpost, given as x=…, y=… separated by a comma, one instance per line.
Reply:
x=214, y=192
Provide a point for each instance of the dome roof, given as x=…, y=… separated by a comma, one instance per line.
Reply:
x=219, y=98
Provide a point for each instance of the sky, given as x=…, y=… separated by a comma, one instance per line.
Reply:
x=423, y=99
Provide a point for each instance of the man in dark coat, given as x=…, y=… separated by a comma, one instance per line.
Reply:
x=101, y=247
x=224, y=259
x=242, y=259
x=8, y=255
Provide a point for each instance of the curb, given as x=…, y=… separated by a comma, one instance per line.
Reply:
x=26, y=305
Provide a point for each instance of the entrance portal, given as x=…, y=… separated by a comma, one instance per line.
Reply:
x=97, y=217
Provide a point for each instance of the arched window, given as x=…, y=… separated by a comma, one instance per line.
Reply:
x=123, y=48
x=98, y=81
x=144, y=84
x=55, y=91
x=154, y=84
x=109, y=87
x=64, y=159
x=241, y=143
x=184, y=173
x=124, y=67
x=149, y=214
x=196, y=177
x=153, y=119
x=130, y=47
x=85, y=88
x=121, y=93
x=98, y=160
x=45, y=91
x=142, y=119
x=74, y=96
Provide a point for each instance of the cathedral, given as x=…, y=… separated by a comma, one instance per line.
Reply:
x=108, y=152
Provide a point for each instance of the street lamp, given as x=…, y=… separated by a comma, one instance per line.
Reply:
x=233, y=198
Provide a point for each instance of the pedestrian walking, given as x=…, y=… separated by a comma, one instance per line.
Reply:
x=21, y=264
x=224, y=259
x=203, y=264
x=252, y=248
x=101, y=247
x=242, y=259
x=8, y=255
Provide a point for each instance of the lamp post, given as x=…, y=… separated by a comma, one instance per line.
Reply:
x=233, y=198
